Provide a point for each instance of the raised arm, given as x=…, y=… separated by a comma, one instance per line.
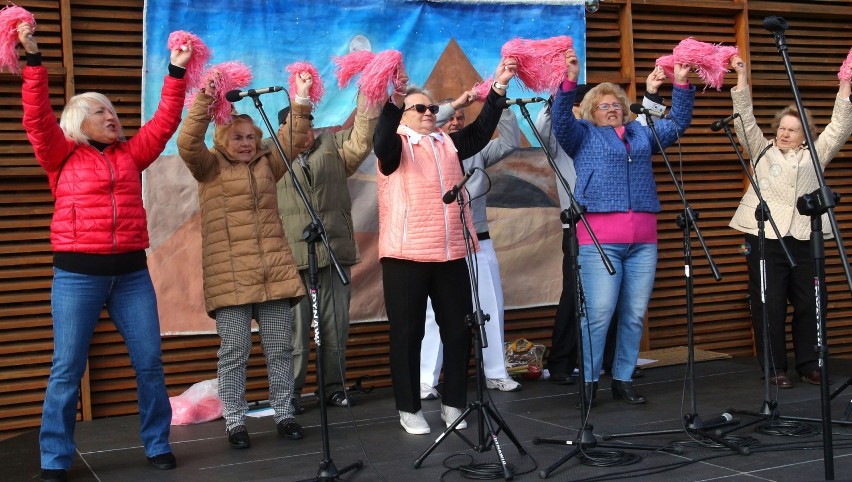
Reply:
x=837, y=132
x=748, y=133
x=293, y=134
x=476, y=135
x=190, y=142
x=386, y=143
x=49, y=143
x=356, y=143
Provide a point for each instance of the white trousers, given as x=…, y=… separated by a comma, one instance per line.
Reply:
x=491, y=302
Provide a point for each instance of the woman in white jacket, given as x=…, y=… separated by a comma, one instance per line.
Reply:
x=784, y=170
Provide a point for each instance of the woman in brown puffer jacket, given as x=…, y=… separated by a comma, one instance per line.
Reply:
x=249, y=271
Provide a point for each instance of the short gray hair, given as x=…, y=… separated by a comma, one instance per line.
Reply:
x=78, y=109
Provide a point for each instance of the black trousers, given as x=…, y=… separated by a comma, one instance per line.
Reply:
x=563, y=351
x=407, y=284
x=782, y=284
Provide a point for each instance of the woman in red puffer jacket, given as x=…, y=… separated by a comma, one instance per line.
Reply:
x=99, y=235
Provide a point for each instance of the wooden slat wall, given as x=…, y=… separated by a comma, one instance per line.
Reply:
x=90, y=46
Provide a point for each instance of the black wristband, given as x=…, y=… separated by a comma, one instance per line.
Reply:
x=176, y=72
x=34, y=60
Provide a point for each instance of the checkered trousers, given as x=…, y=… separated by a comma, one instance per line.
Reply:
x=233, y=323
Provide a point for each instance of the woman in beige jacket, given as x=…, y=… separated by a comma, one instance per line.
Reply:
x=784, y=170
x=249, y=271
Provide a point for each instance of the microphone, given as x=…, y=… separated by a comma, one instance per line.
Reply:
x=503, y=102
x=451, y=195
x=723, y=419
x=640, y=109
x=238, y=95
x=775, y=24
x=723, y=122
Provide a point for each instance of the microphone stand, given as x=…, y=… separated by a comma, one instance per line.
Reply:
x=814, y=205
x=687, y=220
x=769, y=409
x=585, y=438
x=487, y=416
x=328, y=471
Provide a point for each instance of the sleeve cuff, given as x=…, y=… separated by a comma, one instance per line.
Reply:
x=568, y=85
x=657, y=98
x=176, y=72
x=681, y=86
x=34, y=60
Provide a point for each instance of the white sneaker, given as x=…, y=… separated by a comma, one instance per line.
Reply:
x=428, y=392
x=414, y=423
x=450, y=414
x=503, y=384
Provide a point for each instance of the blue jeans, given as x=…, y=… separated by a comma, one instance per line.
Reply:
x=76, y=303
x=626, y=292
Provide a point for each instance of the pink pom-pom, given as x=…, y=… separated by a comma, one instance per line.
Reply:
x=317, y=89
x=483, y=88
x=224, y=77
x=10, y=17
x=350, y=65
x=710, y=61
x=379, y=73
x=846, y=69
x=200, y=54
x=541, y=63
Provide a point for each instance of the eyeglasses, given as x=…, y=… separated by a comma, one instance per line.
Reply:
x=783, y=130
x=615, y=106
x=421, y=108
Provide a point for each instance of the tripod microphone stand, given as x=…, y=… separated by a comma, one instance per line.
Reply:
x=585, y=439
x=487, y=417
x=328, y=471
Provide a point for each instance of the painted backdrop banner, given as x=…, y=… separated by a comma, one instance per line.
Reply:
x=447, y=46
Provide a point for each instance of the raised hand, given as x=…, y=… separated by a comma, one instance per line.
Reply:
x=26, y=35
x=304, y=81
x=655, y=80
x=464, y=100
x=180, y=55
x=399, y=86
x=506, y=70
x=681, y=73
x=572, y=62
x=738, y=65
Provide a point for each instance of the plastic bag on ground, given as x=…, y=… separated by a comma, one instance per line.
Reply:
x=198, y=404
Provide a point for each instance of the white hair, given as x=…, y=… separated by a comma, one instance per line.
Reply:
x=78, y=109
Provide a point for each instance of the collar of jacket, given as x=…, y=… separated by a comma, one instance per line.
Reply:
x=415, y=137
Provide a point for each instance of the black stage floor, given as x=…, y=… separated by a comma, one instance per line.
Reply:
x=109, y=449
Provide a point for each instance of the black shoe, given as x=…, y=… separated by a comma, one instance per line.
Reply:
x=638, y=373
x=339, y=399
x=54, y=475
x=561, y=378
x=290, y=429
x=296, y=403
x=591, y=393
x=238, y=437
x=164, y=461
x=627, y=392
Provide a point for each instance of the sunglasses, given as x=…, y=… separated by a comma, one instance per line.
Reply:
x=421, y=108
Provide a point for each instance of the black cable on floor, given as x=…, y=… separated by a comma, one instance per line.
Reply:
x=607, y=458
x=788, y=428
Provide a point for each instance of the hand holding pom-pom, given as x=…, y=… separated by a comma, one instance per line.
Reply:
x=16, y=25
